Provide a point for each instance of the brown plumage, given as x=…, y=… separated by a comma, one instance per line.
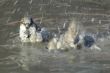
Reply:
x=66, y=39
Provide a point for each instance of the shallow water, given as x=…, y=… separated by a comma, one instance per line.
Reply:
x=91, y=16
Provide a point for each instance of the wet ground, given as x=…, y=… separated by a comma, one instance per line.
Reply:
x=92, y=16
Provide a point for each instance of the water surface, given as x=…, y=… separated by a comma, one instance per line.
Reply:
x=92, y=17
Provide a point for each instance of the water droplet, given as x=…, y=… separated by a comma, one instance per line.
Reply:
x=30, y=2
x=15, y=2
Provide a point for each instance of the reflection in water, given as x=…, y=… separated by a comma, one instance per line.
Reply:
x=16, y=57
